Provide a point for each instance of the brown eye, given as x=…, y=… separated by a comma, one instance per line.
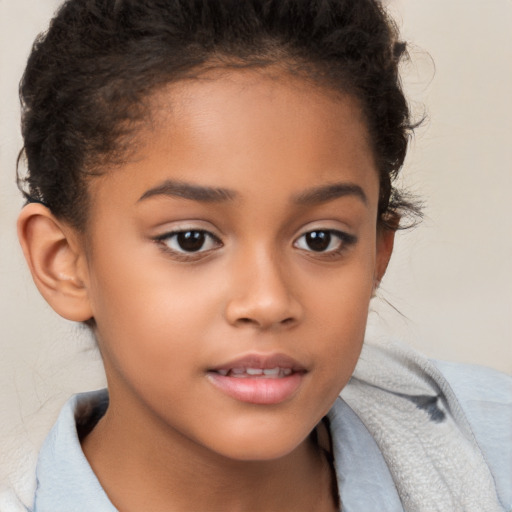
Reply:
x=190, y=241
x=318, y=241
x=324, y=241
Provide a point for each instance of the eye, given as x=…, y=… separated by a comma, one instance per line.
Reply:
x=324, y=241
x=189, y=241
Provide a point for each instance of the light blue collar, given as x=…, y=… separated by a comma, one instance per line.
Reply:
x=66, y=482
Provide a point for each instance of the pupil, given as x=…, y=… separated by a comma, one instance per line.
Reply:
x=318, y=240
x=191, y=241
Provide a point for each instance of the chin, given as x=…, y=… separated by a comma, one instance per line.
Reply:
x=270, y=446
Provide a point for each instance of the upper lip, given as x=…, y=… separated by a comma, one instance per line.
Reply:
x=261, y=361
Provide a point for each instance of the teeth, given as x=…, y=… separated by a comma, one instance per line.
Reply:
x=276, y=372
x=254, y=371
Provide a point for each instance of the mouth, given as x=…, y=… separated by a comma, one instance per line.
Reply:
x=255, y=379
x=248, y=373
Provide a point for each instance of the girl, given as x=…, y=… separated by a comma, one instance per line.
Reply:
x=210, y=189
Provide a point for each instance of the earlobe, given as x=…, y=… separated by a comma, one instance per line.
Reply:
x=56, y=261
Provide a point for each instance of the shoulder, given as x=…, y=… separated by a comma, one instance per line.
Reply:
x=65, y=480
x=9, y=501
x=485, y=396
x=476, y=385
x=444, y=426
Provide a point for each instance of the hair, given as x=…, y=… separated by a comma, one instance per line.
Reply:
x=88, y=79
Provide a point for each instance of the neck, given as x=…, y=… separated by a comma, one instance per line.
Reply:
x=143, y=465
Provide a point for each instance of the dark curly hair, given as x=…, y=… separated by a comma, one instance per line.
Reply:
x=88, y=77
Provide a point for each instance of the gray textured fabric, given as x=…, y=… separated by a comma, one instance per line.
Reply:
x=376, y=459
x=486, y=399
x=364, y=480
x=422, y=430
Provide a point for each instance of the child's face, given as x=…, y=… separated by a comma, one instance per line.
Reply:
x=241, y=235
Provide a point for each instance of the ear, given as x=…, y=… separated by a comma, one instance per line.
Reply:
x=385, y=242
x=56, y=260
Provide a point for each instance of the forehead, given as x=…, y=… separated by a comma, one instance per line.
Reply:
x=233, y=105
x=247, y=130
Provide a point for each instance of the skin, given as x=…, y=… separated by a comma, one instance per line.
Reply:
x=170, y=439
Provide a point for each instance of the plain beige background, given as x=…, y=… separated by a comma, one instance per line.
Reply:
x=451, y=278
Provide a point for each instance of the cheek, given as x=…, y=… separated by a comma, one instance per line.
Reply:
x=338, y=311
x=340, y=298
x=346, y=303
x=148, y=316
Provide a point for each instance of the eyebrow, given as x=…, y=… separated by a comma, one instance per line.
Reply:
x=189, y=191
x=326, y=193
x=207, y=194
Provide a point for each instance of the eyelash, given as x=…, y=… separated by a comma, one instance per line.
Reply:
x=345, y=240
x=167, y=238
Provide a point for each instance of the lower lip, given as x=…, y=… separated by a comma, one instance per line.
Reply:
x=263, y=391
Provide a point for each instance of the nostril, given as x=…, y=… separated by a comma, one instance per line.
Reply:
x=263, y=310
x=251, y=321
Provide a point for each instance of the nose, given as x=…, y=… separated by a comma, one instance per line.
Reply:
x=261, y=294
